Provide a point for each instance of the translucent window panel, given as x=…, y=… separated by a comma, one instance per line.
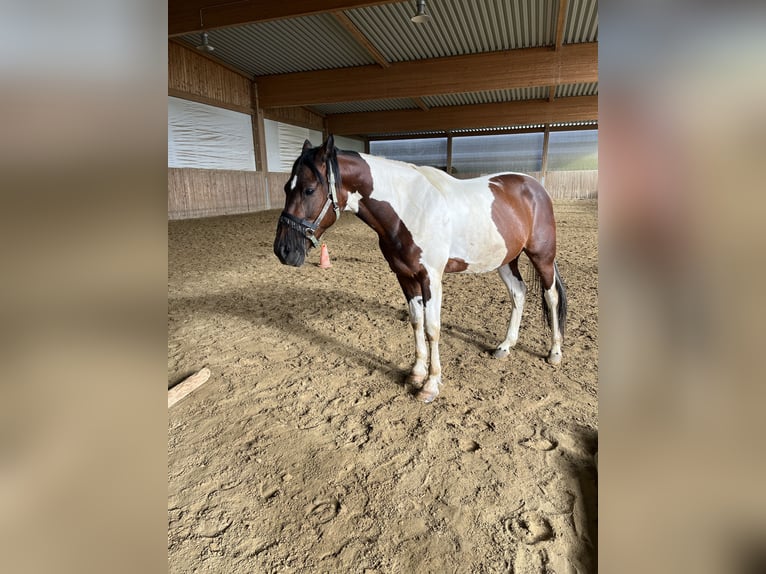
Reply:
x=575, y=150
x=271, y=135
x=422, y=151
x=483, y=155
x=349, y=144
x=291, y=140
x=207, y=137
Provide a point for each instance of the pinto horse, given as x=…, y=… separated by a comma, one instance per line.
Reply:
x=428, y=224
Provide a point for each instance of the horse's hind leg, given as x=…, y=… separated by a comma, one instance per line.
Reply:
x=555, y=304
x=517, y=289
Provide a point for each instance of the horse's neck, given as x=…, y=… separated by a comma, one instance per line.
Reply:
x=394, y=191
x=394, y=180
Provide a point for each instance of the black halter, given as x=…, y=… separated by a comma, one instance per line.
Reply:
x=306, y=227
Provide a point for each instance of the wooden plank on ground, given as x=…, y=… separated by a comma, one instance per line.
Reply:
x=188, y=385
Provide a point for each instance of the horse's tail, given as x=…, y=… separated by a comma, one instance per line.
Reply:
x=561, y=289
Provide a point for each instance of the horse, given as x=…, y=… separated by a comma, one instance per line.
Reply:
x=428, y=224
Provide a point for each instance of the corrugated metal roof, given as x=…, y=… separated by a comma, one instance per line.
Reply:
x=283, y=46
x=489, y=131
x=457, y=27
x=366, y=106
x=489, y=97
x=569, y=90
x=560, y=125
x=581, y=22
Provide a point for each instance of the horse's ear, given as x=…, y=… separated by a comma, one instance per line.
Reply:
x=327, y=149
x=307, y=145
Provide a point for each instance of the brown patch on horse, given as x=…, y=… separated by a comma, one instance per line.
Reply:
x=512, y=211
x=396, y=243
x=455, y=265
x=395, y=240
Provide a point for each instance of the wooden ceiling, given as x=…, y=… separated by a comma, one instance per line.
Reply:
x=501, y=78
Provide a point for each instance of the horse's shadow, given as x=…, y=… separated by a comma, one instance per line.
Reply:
x=293, y=309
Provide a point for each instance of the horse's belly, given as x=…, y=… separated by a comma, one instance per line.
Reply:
x=477, y=242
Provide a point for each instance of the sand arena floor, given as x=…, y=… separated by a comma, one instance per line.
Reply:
x=305, y=452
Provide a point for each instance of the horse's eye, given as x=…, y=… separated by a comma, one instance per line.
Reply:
x=309, y=191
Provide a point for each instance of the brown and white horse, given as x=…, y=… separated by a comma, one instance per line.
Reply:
x=429, y=223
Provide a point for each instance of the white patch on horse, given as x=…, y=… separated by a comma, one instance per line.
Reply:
x=352, y=203
x=552, y=300
x=417, y=319
x=447, y=217
x=293, y=182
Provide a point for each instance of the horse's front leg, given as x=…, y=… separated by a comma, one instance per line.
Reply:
x=417, y=319
x=411, y=289
x=433, y=306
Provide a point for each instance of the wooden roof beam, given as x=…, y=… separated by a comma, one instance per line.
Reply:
x=361, y=39
x=189, y=16
x=525, y=68
x=576, y=109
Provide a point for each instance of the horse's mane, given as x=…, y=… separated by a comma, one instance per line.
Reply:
x=307, y=158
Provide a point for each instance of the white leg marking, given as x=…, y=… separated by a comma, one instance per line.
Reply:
x=552, y=300
x=419, y=369
x=517, y=290
x=433, y=325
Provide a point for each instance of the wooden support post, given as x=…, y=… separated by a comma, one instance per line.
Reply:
x=259, y=144
x=544, y=166
x=449, y=152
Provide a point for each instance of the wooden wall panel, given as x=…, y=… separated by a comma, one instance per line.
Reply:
x=277, y=182
x=193, y=74
x=581, y=184
x=572, y=184
x=207, y=192
x=258, y=193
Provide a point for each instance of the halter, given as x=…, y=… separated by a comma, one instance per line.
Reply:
x=306, y=227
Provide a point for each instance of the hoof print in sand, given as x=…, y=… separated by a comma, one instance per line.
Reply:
x=539, y=441
x=323, y=511
x=467, y=445
x=529, y=527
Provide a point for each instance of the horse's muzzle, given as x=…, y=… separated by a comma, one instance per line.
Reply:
x=290, y=247
x=290, y=257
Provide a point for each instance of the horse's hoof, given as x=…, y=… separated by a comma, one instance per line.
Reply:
x=429, y=391
x=554, y=358
x=426, y=396
x=500, y=353
x=415, y=379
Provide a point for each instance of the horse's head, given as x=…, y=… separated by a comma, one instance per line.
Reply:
x=309, y=194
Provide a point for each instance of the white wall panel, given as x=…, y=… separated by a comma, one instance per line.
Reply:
x=207, y=137
x=291, y=140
